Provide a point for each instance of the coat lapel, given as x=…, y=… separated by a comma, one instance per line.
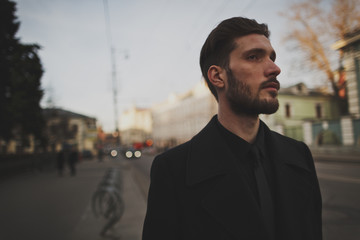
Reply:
x=293, y=181
x=230, y=202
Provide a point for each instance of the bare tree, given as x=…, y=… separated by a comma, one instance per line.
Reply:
x=314, y=26
x=344, y=17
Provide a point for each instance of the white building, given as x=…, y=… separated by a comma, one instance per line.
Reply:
x=135, y=125
x=181, y=116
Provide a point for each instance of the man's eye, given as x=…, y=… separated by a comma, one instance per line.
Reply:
x=252, y=57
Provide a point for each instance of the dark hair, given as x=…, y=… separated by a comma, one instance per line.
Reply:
x=221, y=41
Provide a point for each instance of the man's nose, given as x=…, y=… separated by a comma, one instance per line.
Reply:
x=272, y=69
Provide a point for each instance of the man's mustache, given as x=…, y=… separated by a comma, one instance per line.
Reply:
x=270, y=83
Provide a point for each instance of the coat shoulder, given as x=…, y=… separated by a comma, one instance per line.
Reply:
x=287, y=141
x=176, y=153
x=174, y=159
x=281, y=145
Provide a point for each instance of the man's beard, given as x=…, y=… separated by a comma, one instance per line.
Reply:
x=243, y=102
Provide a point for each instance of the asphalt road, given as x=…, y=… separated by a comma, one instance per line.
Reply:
x=340, y=187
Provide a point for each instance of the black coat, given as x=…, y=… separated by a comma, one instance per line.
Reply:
x=197, y=192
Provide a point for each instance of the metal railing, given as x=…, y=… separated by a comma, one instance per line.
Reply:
x=107, y=200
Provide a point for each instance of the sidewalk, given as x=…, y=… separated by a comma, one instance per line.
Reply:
x=130, y=225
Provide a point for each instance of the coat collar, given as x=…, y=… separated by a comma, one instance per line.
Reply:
x=209, y=156
x=282, y=152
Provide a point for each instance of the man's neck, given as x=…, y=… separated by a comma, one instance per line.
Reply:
x=242, y=125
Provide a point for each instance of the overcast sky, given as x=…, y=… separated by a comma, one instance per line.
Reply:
x=157, y=45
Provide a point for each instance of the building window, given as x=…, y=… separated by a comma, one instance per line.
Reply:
x=287, y=110
x=318, y=110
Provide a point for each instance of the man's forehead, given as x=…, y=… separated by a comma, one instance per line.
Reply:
x=253, y=41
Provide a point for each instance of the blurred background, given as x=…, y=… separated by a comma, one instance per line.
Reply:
x=93, y=90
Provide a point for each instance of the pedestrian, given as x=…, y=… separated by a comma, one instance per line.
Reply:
x=62, y=158
x=60, y=162
x=236, y=179
x=73, y=159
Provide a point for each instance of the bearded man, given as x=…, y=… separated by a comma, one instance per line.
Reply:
x=236, y=179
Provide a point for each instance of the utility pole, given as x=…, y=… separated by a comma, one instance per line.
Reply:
x=113, y=66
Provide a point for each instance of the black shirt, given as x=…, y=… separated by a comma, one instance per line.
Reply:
x=241, y=150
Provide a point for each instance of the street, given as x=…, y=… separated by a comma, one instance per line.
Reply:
x=340, y=187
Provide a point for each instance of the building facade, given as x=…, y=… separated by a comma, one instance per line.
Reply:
x=135, y=126
x=182, y=116
x=297, y=104
x=350, y=47
x=347, y=129
x=62, y=127
x=68, y=128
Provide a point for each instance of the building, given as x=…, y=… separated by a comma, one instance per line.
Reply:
x=297, y=104
x=347, y=128
x=62, y=127
x=350, y=48
x=135, y=126
x=181, y=116
x=66, y=127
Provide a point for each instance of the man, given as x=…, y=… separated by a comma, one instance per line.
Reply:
x=236, y=179
x=73, y=159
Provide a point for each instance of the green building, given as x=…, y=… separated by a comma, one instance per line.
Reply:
x=298, y=104
x=313, y=116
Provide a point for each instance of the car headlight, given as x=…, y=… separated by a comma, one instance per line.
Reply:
x=113, y=153
x=137, y=154
x=128, y=154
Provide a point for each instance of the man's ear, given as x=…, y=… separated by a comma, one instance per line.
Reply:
x=216, y=76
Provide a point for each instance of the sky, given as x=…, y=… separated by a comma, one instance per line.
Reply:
x=156, y=48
